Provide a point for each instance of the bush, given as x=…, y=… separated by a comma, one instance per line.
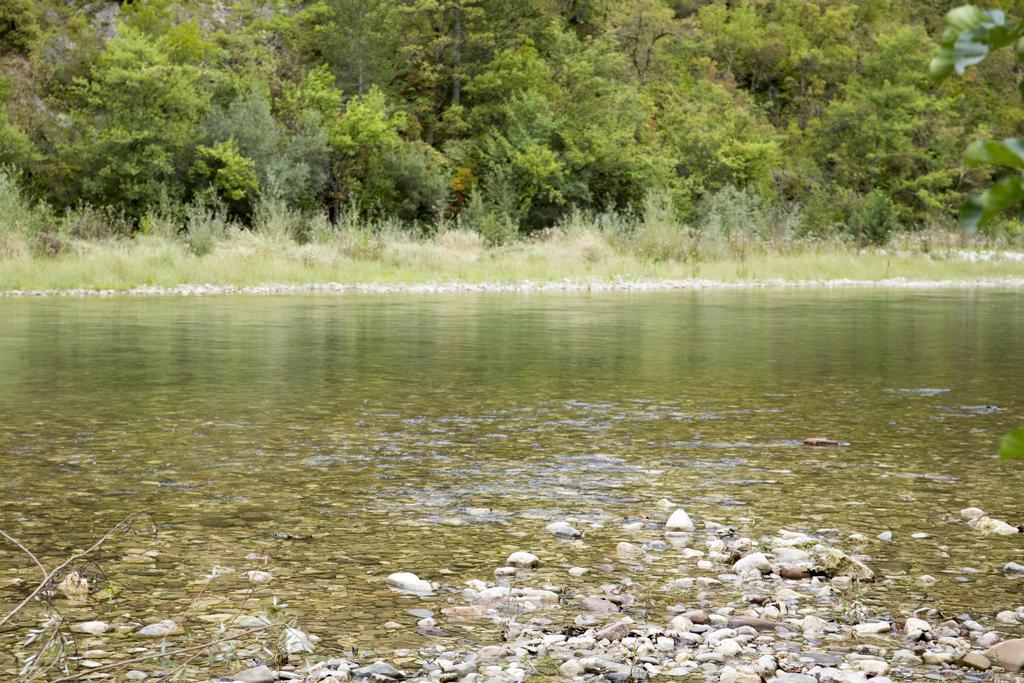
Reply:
x=90, y=223
x=874, y=219
x=490, y=221
x=274, y=218
x=660, y=236
x=23, y=224
x=205, y=225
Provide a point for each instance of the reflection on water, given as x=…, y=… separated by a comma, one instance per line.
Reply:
x=438, y=434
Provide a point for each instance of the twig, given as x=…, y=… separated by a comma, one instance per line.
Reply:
x=125, y=525
x=158, y=655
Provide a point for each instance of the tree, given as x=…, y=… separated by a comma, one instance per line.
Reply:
x=971, y=35
x=138, y=123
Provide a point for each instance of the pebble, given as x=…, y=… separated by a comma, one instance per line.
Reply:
x=679, y=521
x=257, y=576
x=1008, y=654
x=1013, y=569
x=625, y=549
x=94, y=628
x=408, y=582
x=975, y=660
x=871, y=628
x=159, y=629
x=563, y=530
x=885, y=536
x=257, y=674
x=523, y=559
x=754, y=563
x=1007, y=617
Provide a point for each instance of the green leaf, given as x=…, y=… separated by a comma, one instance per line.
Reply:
x=1008, y=152
x=1006, y=193
x=1013, y=445
x=971, y=33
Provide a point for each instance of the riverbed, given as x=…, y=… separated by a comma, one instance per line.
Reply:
x=333, y=440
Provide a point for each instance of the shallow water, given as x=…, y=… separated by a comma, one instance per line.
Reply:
x=378, y=426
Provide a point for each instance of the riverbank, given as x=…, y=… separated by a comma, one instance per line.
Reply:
x=526, y=287
x=250, y=263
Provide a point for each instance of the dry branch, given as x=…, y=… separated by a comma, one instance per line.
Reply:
x=125, y=524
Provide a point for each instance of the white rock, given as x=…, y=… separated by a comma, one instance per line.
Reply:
x=874, y=667
x=988, y=525
x=625, y=549
x=257, y=576
x=522, y=559
x=1007, y=617
x=571, y=668
x=814, y=624
x=563, y=530
x=296, y=641
x=765, y=666
x=1013, y=569
x=919, y=625
x=409, y=583
x=679, y=521
x=577, y=571
x=871, y=628
x=753, y=563
x=988, y=639
x=680, y=624
x=93, y=628
x=787, y=554
x=158, y=630
x=972, y=513
x=885, y=536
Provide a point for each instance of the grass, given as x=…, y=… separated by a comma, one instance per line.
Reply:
x=578, y=252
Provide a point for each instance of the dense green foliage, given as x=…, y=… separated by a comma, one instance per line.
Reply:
x=970, y=36
x=506, y=115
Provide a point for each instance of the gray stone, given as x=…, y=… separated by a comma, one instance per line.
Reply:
x=1013, y=569
x=615, y=631
x=975, y=660
x=598, y=605
x=158, y=630
x=679, y=521
x=257, y=674
x=1008, y=654
x=93, y=628
x=523, y=559
x=379, y=670
x=754, y=623
x=793, y=678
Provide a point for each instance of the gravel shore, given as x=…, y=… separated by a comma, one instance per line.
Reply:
x=524, y=287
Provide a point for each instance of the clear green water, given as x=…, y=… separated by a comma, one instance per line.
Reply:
x=375, y=423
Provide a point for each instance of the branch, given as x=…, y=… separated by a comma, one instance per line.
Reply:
x=124, y=525
x=158, y=655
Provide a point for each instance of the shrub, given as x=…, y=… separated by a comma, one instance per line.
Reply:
x=874, y=218
x=490, y=221
x=22, y=223
x=660, y=236
x=87, y=222
x=205, y=224
x=274, y=218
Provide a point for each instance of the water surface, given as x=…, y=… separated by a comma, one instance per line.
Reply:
x=436, y=434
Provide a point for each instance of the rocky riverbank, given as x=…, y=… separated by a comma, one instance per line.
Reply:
x=790, y=608
x=524, y=286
